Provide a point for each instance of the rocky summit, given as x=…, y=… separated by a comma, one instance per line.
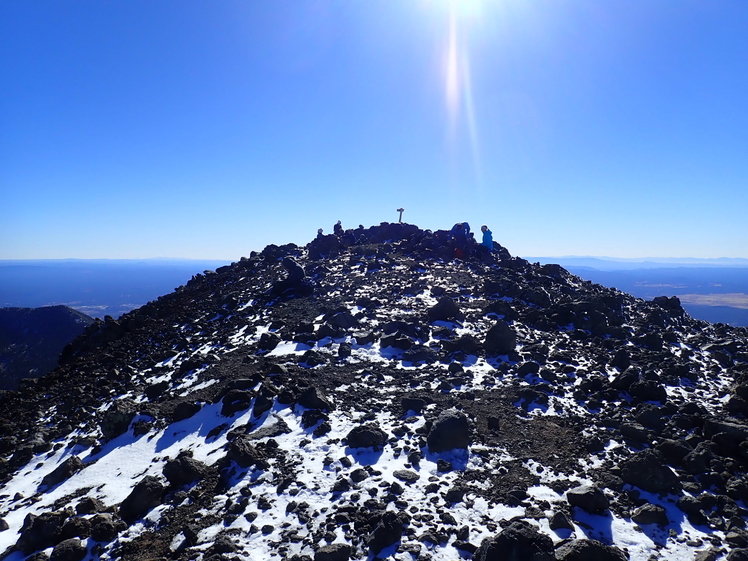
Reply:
x=372, y=396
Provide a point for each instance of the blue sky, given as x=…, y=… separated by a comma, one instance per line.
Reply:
x=155, y=128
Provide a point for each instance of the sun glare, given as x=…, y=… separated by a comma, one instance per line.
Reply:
x=458, y=82
x=465, y=8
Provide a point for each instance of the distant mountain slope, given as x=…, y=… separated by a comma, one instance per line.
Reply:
x=715, y=291
x=31, y=340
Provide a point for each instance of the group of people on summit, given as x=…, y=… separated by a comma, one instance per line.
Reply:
x=462, y=241
x=459, y=239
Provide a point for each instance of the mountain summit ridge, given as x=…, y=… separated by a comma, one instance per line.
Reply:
x=367, y=396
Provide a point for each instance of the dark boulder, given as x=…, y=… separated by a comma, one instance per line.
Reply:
x=500, y=339
x=116, y=419
x=323, y=246
x=184, y=469
x=406, y=475
x=588, y=550
x=740, y=554
x=528, y=368
x=673, y=451
x=364, y=338
x=243, y=453
x=62, y=472
x=69, y=550
x=155, y=391
x=651, y=341
x=89, y=505
x=621, y=360
x=588, y=497
x=699, y=459
x=295, y=284
x=466, y=344
x=343, y=319
x=559, y=520
x=333, y=552
x=76, y=527
x=696, y=508
x=40, y=532
x=413, y=404
x=648, y=390
x=268, y=341
x=312, y=358
x=105, y=527
x=185, y=410
x=388, y=531
x=445, y=310
x=517, y=542
x=311, y=417
x=264, y=401
x=450, y=430
x=624, y=380
x=146, y=495
x=366, y=436
x=235, y=401
x=671, y=304
x=646, y=470
x=418, y=354
x=650, y=514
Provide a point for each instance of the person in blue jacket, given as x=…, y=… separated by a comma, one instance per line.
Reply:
x=487, y=237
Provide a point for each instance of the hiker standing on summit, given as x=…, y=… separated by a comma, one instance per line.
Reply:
x=487, y=237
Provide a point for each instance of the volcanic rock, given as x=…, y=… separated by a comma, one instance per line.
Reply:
x=40, y=532
x=184, y=469
x=517, y=541
x=645, y=469
x=366, y=436
x=69, y=550
x=589, y=497
x=333, y=552
x=500, y=339
x=586, y=550
x=64, y=471
x=450, y=430
x=650, y=514
x=388, y=531
x=145, y=495
x=117, y=419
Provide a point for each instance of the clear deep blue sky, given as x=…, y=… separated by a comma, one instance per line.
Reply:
x=207, y=129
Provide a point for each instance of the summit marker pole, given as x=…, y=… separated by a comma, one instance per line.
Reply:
x=401, y=210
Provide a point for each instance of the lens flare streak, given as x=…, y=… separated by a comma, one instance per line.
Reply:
x=459, y=95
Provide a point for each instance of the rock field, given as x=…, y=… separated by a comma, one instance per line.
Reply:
x=368, y=396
